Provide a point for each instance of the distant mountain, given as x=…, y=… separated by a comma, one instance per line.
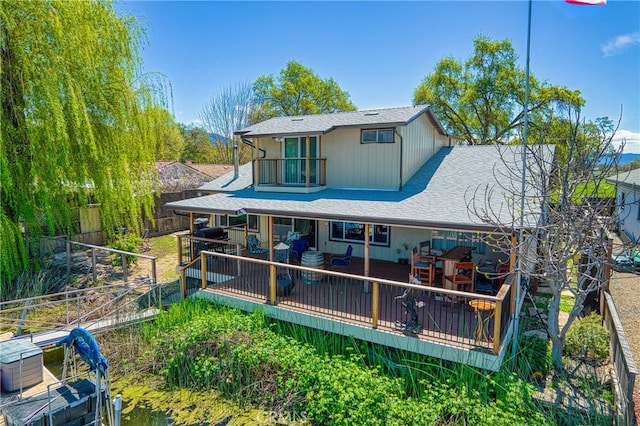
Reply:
x=624, y=159
x=627, y=158
x=214, y=137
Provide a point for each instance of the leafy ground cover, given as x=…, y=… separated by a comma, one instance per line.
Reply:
x=315, y=378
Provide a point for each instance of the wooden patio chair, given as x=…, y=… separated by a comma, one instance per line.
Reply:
x=463, y=277
x=423, y=267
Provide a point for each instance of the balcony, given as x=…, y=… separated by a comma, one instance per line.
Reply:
x=372, y=308
x=303, y=174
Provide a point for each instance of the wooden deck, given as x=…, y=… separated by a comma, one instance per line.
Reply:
x=440, y=318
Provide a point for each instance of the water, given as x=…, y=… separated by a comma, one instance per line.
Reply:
x=138, y=416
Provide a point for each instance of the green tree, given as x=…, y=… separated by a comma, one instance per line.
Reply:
x=73, y=124
x=166, y=133
x=482, y=99
x=298, y=91
x=197, y=146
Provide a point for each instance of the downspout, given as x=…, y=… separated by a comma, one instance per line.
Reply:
x=401, y=146
x=236, y=160
x=248, y=142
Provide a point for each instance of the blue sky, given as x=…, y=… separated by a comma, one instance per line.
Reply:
x=380, y=51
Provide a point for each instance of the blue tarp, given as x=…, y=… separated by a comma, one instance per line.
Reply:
x=87, y=347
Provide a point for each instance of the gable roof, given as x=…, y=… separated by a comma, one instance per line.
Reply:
x=175, y=176
x=229, y=182
x=213, y=170
x=630, y=178
x=437, y=196
x=325, y=123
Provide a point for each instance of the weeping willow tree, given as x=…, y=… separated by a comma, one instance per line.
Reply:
x=77, y=122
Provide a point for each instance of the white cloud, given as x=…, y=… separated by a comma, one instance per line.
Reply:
x=630, y=139
x=620, y=43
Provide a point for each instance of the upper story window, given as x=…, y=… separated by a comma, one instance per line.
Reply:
x=377, y=136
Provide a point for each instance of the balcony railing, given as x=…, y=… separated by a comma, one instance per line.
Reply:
x=440, y=315
x=291, y=171
x=189, y=246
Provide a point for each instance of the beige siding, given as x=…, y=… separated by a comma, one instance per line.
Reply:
x=351, y=164
x=421, y=141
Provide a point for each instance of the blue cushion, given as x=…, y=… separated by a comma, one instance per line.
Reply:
x=422, y=264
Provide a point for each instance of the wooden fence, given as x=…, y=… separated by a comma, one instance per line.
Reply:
x=623, y=364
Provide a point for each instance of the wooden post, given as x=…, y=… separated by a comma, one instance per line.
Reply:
x=183, y=276
x=203, y=268
x=270, y=238
x=154, y=273
x=497, y=320
x=375, y=305
x=307, y=162
x=179, y=249
x=93, y=265
x=366, y=256
x=256, y=154
x=68, y=258
x=272, y=284
x=192, y=218
x=125, y=269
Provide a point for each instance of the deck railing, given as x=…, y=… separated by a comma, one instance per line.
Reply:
x=99, y=307
x=189, y=246
x=439, y=314
x=292, y=171
x=623, y=363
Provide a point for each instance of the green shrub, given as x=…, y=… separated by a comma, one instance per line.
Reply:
x=130, y=243
x=588, y=332
x=203, y=346
x=533, y=356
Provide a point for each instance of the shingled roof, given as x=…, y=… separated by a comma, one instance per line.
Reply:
x=437, y=196
x=325, y=123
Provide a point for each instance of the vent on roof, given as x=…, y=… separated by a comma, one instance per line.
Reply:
x=297, y=119
x=372, y=113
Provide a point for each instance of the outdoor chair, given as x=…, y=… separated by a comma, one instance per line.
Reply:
x=463, y=277
x=427, y=250
x=255, y=249
x=423, y=267
x=341, y=261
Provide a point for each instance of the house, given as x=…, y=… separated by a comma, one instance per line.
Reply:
x=378, y=181
x=628, y=204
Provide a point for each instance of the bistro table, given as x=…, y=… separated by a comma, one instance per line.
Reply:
x=450, y=258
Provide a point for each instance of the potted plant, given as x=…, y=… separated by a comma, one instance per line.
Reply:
x=403, y=249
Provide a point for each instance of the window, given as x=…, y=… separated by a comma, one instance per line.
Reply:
x=446, y=240
x=377, y=136
x=250, y=219
x=354, y=232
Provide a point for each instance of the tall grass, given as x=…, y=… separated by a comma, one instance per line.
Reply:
x=326, y=378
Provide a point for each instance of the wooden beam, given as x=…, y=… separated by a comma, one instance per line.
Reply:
x=307, y=163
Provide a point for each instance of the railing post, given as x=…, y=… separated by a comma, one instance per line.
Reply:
x=203, y=268
x=154, y=273
x=497, y=323
x=272, y=284
x=183, y=276
x=179, y=249
x=239, y=254
x=375, y=305
x=93, y=265
x=68, y=258
x=125, y=271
